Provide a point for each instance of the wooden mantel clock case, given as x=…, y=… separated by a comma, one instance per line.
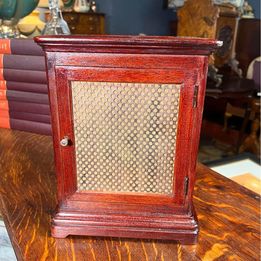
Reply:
x=126, y=117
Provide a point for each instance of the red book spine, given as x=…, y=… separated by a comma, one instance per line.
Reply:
x=5, y=122
x=20, y=46
x=5, y=46
x=2, y=85
x=22, y=62
x=24, y=86
x=4, y=114
x=4, y=105
x=23, y=75
x=3, y=95
x=1, y=60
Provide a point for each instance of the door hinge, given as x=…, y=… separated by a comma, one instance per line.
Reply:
x=186, y=184
x=195, y=97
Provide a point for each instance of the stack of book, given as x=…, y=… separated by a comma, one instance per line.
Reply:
x=24, y=103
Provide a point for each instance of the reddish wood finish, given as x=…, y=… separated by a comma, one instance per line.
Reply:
x=138, y=60
x=229, y=214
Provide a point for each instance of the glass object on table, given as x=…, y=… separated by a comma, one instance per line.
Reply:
x=247, y=10
x=93, y=6
x=81, y=6
x=236, y=3
x=9, y=29
x=56, y=25
x=68, y=5
x=173, y=4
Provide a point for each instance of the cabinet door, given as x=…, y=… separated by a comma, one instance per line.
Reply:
x=129, y=133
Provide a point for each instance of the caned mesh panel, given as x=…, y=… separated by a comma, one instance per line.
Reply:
x=125, y=136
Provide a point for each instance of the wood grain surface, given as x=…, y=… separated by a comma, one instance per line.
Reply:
x=228, y=213
x=203, y=21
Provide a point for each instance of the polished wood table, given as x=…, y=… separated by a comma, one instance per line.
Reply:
x=228, y=213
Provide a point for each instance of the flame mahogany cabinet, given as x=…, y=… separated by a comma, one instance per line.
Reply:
x=126, y=116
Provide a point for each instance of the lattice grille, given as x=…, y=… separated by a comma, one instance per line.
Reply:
x=125, y=136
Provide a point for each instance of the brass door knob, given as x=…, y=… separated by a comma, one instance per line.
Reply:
x=64, y=142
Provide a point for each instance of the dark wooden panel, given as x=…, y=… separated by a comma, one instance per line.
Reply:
x=248, y=42
x=85, y=23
